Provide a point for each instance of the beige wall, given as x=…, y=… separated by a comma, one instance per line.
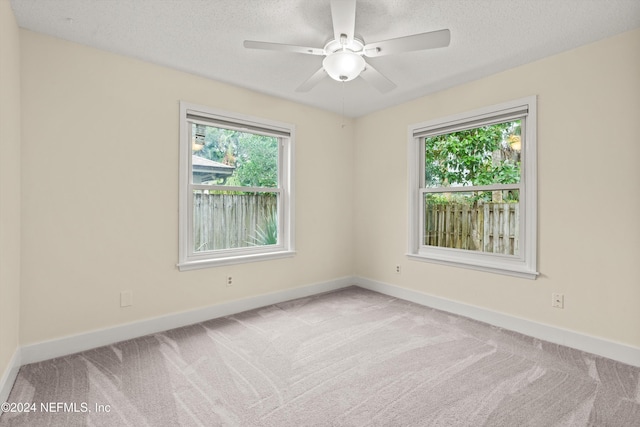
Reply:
x=9, y=185
x=100, y=191
x=589, y=198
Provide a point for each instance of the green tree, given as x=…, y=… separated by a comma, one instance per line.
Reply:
x=220, y=145
x=257, y=160
x=479, y=156
x=255, y=157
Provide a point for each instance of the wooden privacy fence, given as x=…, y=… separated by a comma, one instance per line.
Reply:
x=224, y=221
x=484, y=227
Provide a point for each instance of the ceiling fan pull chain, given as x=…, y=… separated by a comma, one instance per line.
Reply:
x=342, y=84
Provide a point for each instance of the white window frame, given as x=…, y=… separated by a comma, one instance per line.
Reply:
x=525, y=263
x=188, y=258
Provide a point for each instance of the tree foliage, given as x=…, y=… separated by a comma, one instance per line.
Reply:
x=255, y=157
x=480, y=156
x=257, y=161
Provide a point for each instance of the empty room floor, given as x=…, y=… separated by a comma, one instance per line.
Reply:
x=349, y=357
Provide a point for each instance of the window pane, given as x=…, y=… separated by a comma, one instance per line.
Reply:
x=482, y=156
x=228, y=157
x=226, y=221
x=486, y=221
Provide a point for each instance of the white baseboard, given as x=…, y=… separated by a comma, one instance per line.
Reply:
x=76, y=343
x=73, y=344
x=9, y=376
x=610, y=349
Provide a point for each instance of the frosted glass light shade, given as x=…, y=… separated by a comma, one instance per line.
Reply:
x=343, y=65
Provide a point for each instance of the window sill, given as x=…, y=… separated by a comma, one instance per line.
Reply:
x=236, y=259
x=497, y=268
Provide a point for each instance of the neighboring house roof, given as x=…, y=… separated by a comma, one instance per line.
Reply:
x=205, y=170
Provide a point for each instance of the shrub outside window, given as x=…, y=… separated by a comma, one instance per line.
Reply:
x=473, y=189
x=235, y=188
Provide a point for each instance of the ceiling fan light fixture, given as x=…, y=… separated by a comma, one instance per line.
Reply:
x=343, y=65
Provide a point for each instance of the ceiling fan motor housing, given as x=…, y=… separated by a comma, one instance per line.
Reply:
x=355, y=45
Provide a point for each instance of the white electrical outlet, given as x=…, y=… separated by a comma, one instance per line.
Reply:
x=229, y=281
x=557, y=300
x=398, y=269
x=126, y=298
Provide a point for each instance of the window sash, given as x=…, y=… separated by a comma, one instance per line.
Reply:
x=425, y=248
x=472, y=188
x=486, y=121
x=240, y=250
x=257, y=131
x=282, y=232
x=217, y=187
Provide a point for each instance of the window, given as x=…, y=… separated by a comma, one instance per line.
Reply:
x=236, y=200
x=473, y=189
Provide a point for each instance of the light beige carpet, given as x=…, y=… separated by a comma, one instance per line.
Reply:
x=347, y=358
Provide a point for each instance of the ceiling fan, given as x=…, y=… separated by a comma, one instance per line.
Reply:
x=344, y=53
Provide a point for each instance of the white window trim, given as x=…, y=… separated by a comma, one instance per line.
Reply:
x=187, y=259
x=525, y=264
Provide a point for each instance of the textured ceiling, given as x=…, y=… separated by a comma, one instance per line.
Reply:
x=205, y=38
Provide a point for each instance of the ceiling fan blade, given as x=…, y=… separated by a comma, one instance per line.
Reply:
x=430, y=40
x=312, y=81
x=377, y=80
x=250, y=44
x=343, y=14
